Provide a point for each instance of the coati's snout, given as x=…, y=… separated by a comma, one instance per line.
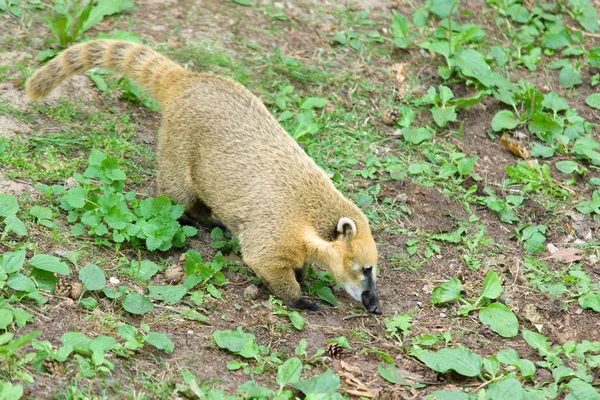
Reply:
x=369, y=296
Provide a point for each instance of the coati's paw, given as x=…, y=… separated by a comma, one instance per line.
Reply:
x=304, y=305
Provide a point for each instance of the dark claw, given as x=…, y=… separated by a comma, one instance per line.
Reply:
x=304, y=305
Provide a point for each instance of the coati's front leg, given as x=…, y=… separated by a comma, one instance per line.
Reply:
x=284, y=283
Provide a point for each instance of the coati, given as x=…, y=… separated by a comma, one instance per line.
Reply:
x=220, y=149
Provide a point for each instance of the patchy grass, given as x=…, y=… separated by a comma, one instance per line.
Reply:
x=467, y=131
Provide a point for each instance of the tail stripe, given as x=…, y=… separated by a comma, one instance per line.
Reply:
x=149, y=69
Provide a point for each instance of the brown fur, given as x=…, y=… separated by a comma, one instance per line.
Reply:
x=220, y=147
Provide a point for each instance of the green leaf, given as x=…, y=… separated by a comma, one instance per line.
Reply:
x=238, y=342
x=463, y=361
x=465, y=166
x=89, y=303
x=12, y=262
x=511, y=357
x=6, y=318
x=160, y=341
x=92, y=277
x=14, y=224
x=593, y=101
x=250, y=390
x=555, y=103
x=49, y=263
x=492, y=288
x=539, y=150
x=100, y=346
x=507, y=389
x=390, y=373
x=416, y=136
x=289, y=372
x=544, y=127
x=567, y=166
x=41, y=212
x=447, y=291
x=443, y=115
x=169, y=294
x=501, y=319
x=472, y=64
x=104, y=8
x=75, y=197
x=312, y=102
x=538, y=342
x=145, y=271
x=8, y=205
x=78, y=341
x=504, y=120
x=569, y=77
x=296, y=320
x=327, y=383
x=21, y=283
x=449, y=395
x=590, y=300
x=137, y=304
x=246, y=3
x=442, y=8
x=325, y=294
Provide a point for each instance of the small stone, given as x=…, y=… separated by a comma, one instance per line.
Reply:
x=401, y=198
x=390, y=116
x=443, y=315
x=76, y=289
x=113, y=280
x=420, y=304
x=551, y=248
x=579, y=311
x=251, y=292
x=70, y=183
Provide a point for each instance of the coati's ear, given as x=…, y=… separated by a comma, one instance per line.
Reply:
x=346, y=227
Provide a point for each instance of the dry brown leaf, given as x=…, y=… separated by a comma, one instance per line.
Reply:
x=531, y=313
x=514, y=147
x=568, y=255
x=358, y=388
x=350, y=368
x=400, y=72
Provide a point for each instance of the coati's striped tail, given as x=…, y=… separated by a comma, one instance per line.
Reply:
x=147, y=68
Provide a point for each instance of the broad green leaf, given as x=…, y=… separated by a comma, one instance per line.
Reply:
x=504, y=120
x=443, y=115
x=538, y=342
x=539, y=150
x=100, y=346
x=78, y=341
x=296, y=320
x=146, y=270
x=92, y=277
x=41, y=212
x=463, y=361
x=555, y=103
x=492, y=288
x=593, y=101
x=137, y=304
x=511, y=357
x=6, y=318
x=75, y=197
x=289, y=372
x=544, y=127
x=12, y=262
x=449, y=395
x=160, y=341
x=590, y=300
x=507, y=389
x=465, y=166
x=447, y=291
x=390, y=373
x=21, y=283
x=325, y=293
x=89, y=303
x=416, y=136
x=327, y=383
x=312, y=102
x=104, y=8
x=569, y=77
x=49, y=263
x=567, y=166
x=8, y=205
x=238, y=342
x=250, y=390
x=501, y=319
x=14, y=224
x=472, y=64
x=169, y=294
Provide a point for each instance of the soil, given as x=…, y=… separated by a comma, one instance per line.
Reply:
x=401, y=290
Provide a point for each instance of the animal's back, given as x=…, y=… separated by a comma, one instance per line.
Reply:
x=240, y=161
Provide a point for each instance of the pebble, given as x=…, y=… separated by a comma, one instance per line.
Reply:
x=251, y=292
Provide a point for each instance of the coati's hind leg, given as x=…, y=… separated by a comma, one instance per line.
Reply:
x=200, y=215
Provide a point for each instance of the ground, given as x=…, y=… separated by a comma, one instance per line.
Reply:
x=448, y=202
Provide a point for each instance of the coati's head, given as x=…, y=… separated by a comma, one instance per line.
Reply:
x=355, y=261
